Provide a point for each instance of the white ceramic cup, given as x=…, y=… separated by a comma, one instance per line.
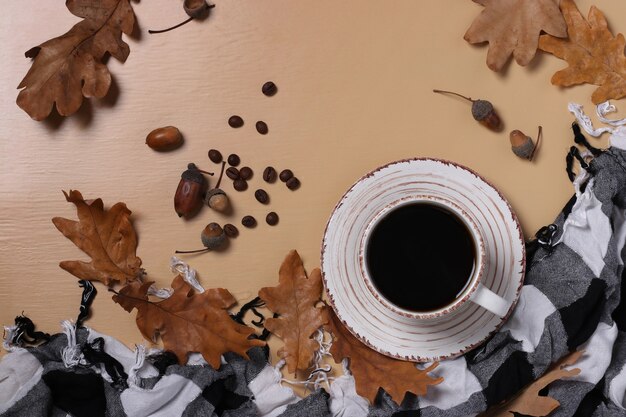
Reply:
x=473, y=291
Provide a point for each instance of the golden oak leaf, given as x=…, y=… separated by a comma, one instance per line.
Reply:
x=70, y=66
x=528, y=401
x=188, y=321
x=372, y=370
x=513, y=27
x=295, y=299
x=108, y=237
x=594, y=55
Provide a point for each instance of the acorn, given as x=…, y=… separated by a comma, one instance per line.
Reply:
x=190, y=191
x=523, y=146
x=217, y=198
x=482, y=111
x=195, y=9
x=486, y=115
x=164, y=139
x=213, y=236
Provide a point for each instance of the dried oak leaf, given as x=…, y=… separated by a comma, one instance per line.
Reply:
x=372, y=370
x=528, y=401
x=594, y=55
x=108, y=237
x=188, y=321
x=70, y=66
x=513, y=27
x=295, y=299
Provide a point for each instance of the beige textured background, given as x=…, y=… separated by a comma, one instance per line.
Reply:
x=355, y=80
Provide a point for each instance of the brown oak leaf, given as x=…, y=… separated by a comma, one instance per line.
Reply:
x=513, y=27
x=70, y=66
x=295, y=299
x=528, y=401
x=372, y=370
x=107, y=236
x=188, y=321
x=594, y=55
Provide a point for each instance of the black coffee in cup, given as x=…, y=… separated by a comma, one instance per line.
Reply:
x=420, y=256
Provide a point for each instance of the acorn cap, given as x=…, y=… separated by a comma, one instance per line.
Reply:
x=193, y=174
x=214, y=191
x=481, y=109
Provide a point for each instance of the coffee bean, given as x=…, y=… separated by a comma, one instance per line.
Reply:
x=232, y=173
x=231, y=230
x=285, y=175
x=235, y=121
x=261, y=127
x=248, y=221
x=245, y=173
x=293, y=183
x=272, y=218
x=261, y=196
x=215, y=156
x=269, y=174
x=233, y=159
x=240, y=185
x=269, y=89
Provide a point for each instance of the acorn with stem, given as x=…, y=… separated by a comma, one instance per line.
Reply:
x=213, y=238
x=522, y=145
x=217, y=198
x=195, y=9
x=482, y=111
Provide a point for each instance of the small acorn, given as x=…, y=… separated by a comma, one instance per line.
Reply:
x=482, y=111
x=164, y=139
x=195, y=9
x=213, y=238
x=217, y=198
x=486, y=115
x=523, y=146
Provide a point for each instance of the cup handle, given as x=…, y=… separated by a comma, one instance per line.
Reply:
x=489, y=300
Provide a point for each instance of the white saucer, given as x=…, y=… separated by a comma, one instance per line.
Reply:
x=393, y=334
